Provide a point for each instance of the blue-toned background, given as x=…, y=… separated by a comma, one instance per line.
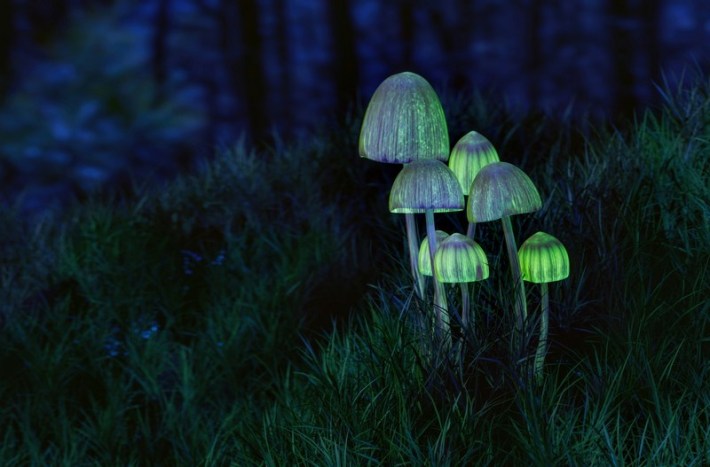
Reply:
x=93, y=93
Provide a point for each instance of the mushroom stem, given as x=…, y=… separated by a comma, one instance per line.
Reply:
x=465, y=305
x=413, y=242
x=471, y=231
x=542, y=342
x=521, y=311
x=440, y=305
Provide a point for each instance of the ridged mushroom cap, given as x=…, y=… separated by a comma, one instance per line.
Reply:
x=469, y=155
x=424, y=257
x=404, y=122
x=501, y=189
x=425, y=184
x=543, y=258
x=460, y=259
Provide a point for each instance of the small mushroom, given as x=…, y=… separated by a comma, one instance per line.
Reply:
x=501, y=190
x=427, y=186
x=425, y=264
x=404, y=121
x=460, y=260
x=424, y=257
x=543, y=259
x=470, y=154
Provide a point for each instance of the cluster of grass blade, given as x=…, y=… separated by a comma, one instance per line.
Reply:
x=190, y=324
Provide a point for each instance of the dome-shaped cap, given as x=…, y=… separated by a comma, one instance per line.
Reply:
x=425, y=184
x=424, y=256
x=404, y=122
x=501, y=189
x=469, y=155
x=543, y=258
x=460, y=259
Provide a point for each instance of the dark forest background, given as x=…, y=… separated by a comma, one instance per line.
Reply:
x=93, y=93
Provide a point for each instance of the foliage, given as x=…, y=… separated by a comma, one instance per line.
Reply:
x=90, y=112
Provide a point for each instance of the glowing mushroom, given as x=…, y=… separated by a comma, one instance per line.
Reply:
x=543, y=259
x=404, y=122
x=501, y=190
x=470, y=154
x=424, y=256
x=460, y=260
x=427, y=186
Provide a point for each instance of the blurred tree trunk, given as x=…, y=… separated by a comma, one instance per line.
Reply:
x=252, y=68
x=407, y=34
x=345, y=60
x=242, y=48
x=534, y=58
x=45, y=18
x=621, y=51
x=7, y=35
x=161, y=28
x=448, y=24
x=466, y=22
x=650, y=12
x=445, y=33
x=284, y=59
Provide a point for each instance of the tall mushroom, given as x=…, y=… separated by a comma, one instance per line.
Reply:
x=543, y=259
x=427, y=186
x=404, y=122
x=469, y=155
x=501, y=190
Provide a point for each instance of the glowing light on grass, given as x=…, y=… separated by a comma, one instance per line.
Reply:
x=543, y=259
x=501, y=190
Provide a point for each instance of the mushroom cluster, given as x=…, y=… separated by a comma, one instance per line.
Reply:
x=405, y=124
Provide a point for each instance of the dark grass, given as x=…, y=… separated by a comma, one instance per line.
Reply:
x=260, y=312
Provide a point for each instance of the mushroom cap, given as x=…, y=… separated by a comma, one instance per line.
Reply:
x=424, y=257
x=460, y=259
x=501, y=189
x=404, y=122
x=543, y=258
x=426, y=184
x=469, y=155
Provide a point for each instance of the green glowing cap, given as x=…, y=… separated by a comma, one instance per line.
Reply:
x=404, y=122
x=470, y=154
x=426, y=184
x=460, y=259
x=543, y=258
x=501, y=189
x=424, y=257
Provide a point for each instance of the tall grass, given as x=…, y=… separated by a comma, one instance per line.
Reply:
x=259, y=312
